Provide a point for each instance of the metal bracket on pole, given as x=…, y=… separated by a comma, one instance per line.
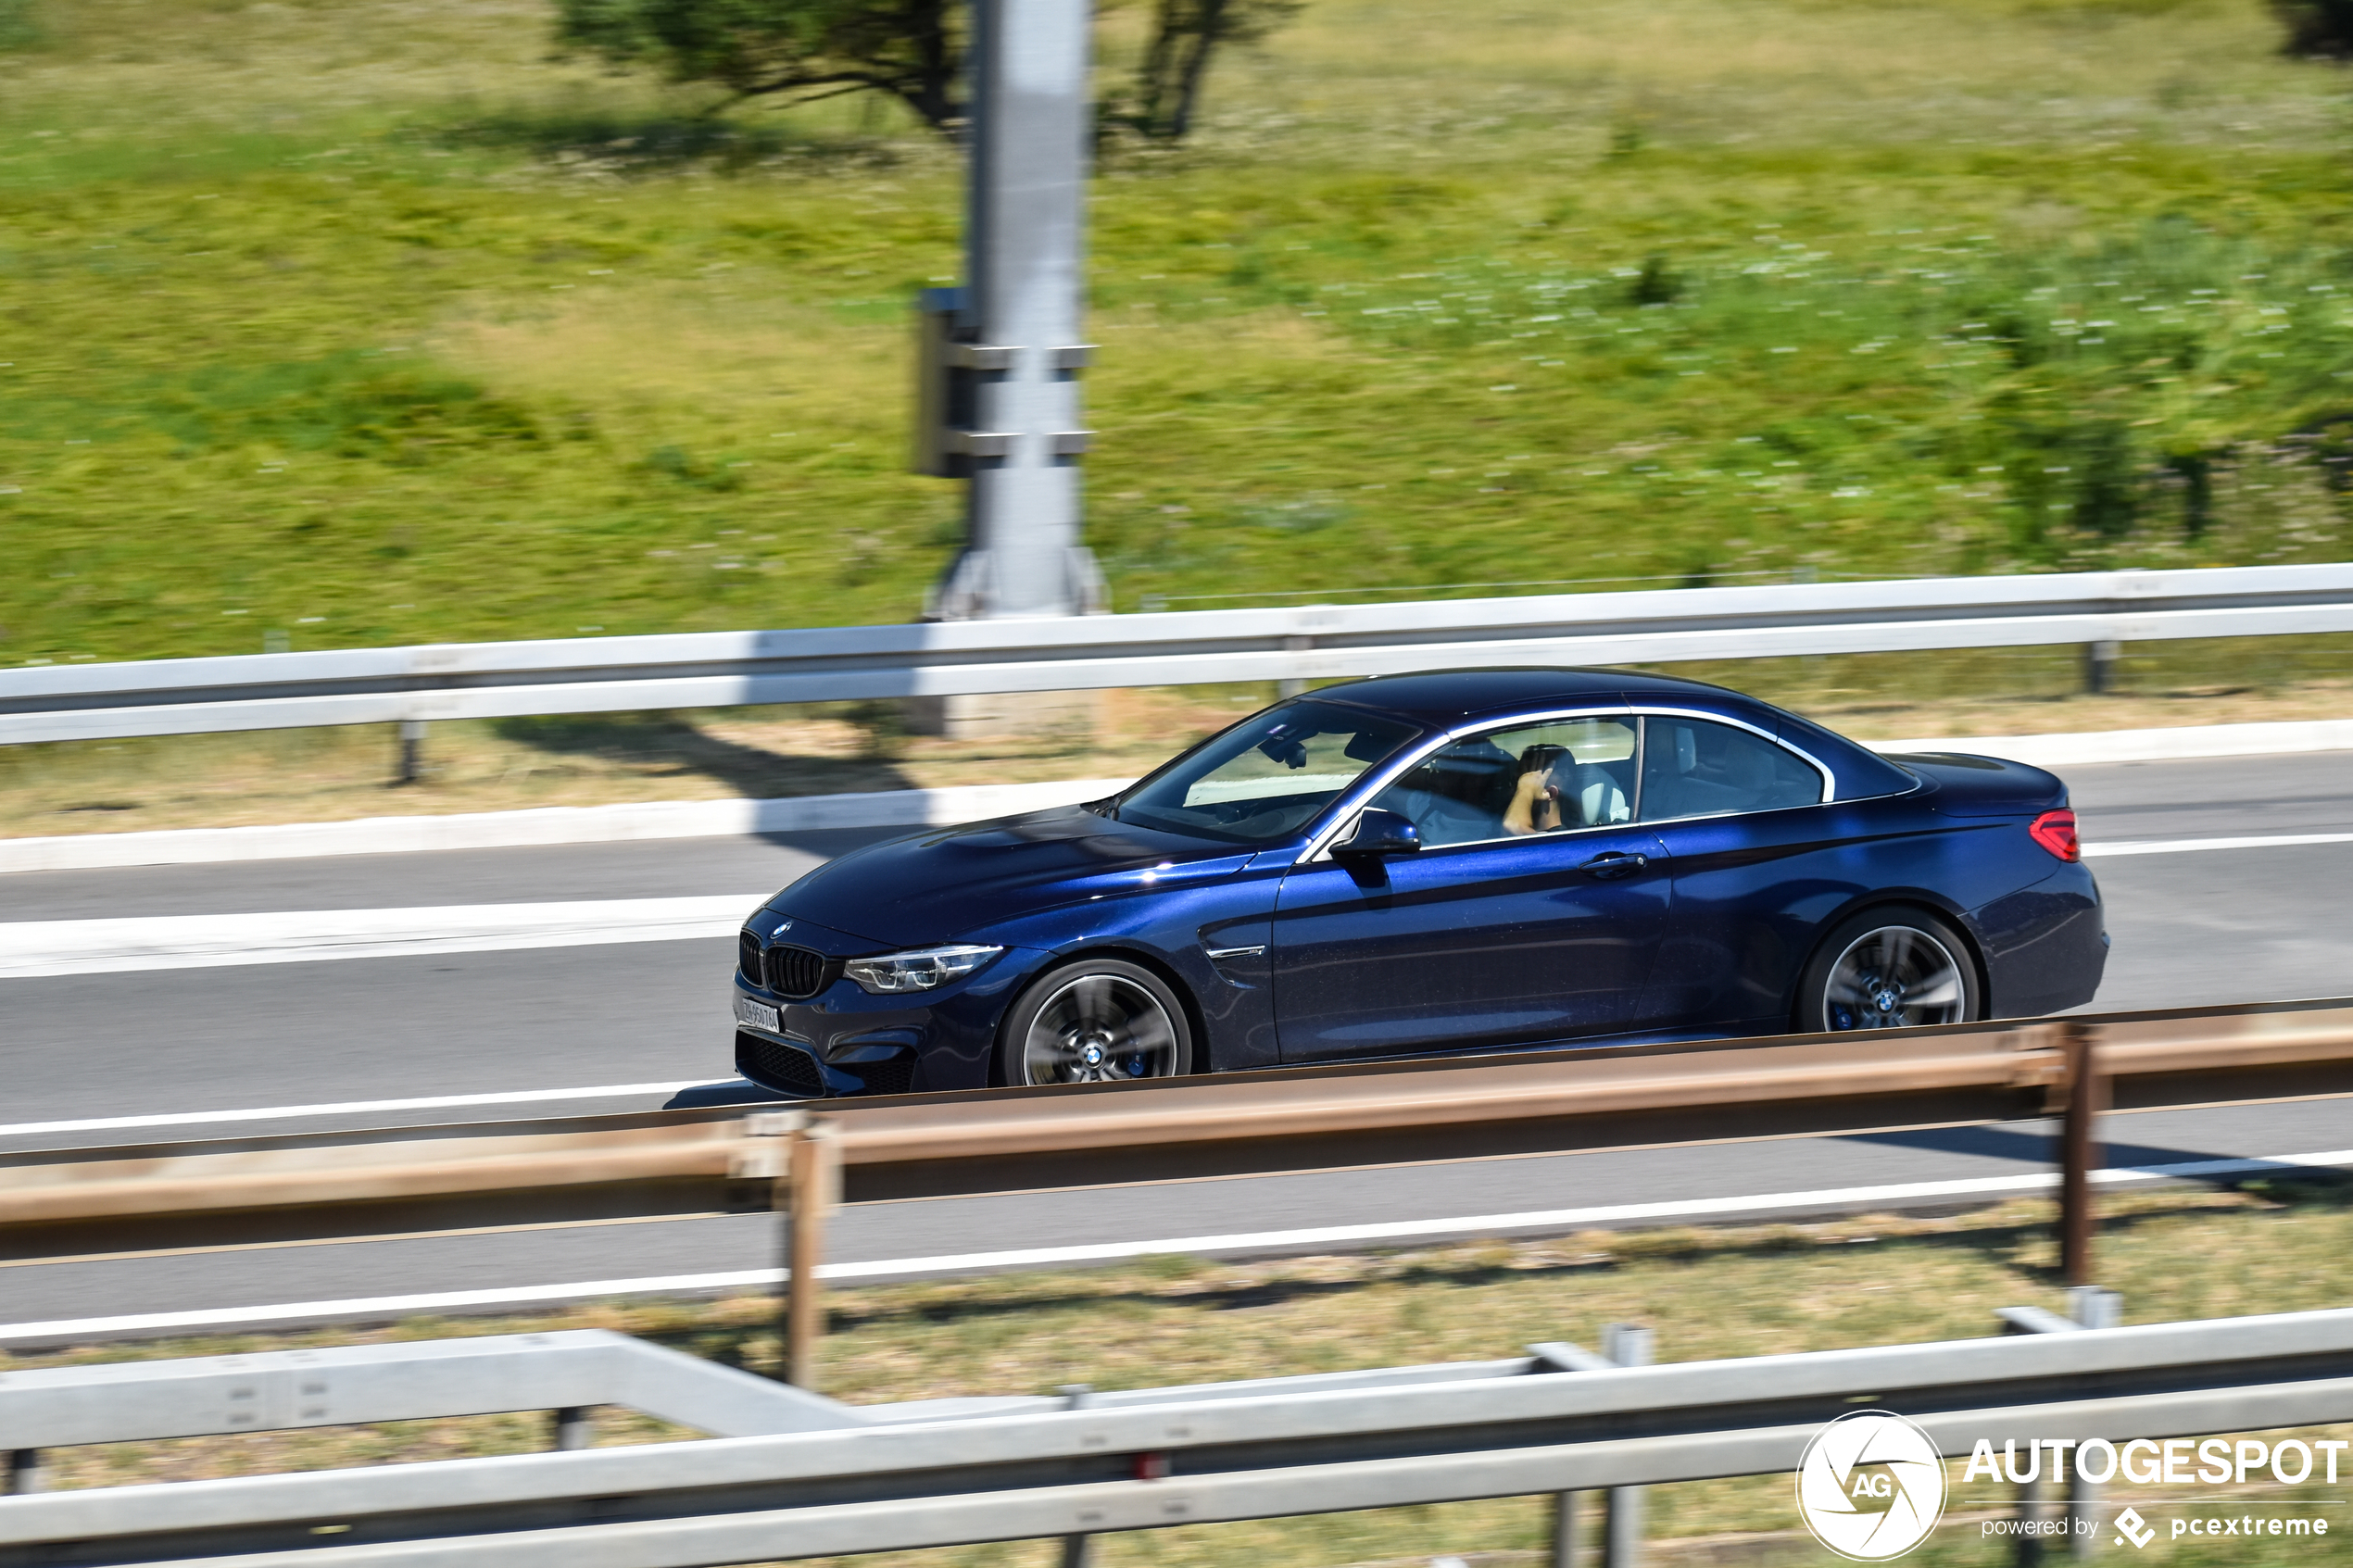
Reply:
x=978, y=357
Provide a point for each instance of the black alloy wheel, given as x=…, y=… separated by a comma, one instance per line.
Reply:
x=1098, y=1020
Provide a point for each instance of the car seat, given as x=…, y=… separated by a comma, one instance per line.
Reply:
x=1593, y=798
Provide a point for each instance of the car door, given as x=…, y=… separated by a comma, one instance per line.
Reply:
x=1495, y=932
x=1759, y=857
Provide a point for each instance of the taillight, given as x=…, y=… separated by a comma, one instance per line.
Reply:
x=2055, y=830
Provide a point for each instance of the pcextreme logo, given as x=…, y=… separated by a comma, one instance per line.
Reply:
x=1871, y=1485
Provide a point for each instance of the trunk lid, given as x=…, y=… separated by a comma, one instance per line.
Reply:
x=1960, y=785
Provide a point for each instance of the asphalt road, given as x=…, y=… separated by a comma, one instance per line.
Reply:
x=2201, y=927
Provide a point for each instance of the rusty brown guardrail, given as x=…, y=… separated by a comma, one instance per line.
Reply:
x=408, y=1180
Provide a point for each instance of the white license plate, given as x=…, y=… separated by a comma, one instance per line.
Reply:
x=760, y=1015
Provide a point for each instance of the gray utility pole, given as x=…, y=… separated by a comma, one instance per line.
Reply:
x=1000, y=357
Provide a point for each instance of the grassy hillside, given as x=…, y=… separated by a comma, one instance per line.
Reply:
x=364, y=322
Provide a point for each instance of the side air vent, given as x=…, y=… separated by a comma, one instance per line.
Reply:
x=777, y=1065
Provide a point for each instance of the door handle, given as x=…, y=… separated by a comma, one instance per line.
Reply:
x=1614, y=862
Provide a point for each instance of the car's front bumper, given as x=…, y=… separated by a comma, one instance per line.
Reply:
x=844, y=1041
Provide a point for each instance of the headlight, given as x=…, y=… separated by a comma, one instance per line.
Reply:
x=924, y=969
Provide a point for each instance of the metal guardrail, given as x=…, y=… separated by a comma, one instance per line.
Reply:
x=405, y=1180
x=890, y=1478
x=946, y=659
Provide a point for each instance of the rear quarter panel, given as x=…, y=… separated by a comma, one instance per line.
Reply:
x=1754, y=893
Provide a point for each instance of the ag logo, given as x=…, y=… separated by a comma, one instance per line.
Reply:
x=1871, y=1485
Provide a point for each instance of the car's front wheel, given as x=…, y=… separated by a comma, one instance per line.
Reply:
x=1098, y=1020
x=1889, y=969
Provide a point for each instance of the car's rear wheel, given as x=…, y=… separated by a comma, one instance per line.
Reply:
x=1098, y=1020
x=1889, y=969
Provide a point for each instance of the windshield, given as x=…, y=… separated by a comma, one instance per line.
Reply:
x=1268, y=776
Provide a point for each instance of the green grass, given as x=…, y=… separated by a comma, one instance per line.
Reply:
x=368, y=323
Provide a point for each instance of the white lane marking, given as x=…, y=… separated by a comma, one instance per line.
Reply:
x=2185, y=846
x=357, y=1108
x=29, y=948
x=1196, y=1246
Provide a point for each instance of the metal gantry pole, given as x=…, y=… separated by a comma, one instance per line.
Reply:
x=1006, y=412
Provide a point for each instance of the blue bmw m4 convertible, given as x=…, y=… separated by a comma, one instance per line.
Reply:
x=1474, y=861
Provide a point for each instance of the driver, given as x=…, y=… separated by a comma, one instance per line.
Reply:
x=1536, y=800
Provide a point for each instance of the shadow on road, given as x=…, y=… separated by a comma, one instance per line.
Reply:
x=2037, y=1144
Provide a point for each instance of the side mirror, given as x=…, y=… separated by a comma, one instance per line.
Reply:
x=1381, y=833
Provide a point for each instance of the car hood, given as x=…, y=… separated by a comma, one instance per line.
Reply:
x=944, y=883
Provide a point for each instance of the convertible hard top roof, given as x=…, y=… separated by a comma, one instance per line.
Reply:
x=1441, y=698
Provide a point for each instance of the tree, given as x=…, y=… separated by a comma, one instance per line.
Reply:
x=800, y=51
x=2321, y=28
x=1185, y=34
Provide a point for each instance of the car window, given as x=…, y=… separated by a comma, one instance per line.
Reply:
x=1521, y=779
x=1267, y=776
x=1692, y=768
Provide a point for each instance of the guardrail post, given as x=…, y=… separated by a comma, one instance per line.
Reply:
x=814, y=1166
x=1628, y=1344
x=1564, y=1530
x=2087, y=1307
x=1291, y=685
x=1078, y=1551
x=574, y=1430
x=2079, y=1152
x=25, y=1474
x=2099, y=664
x=1555, y=1356
x=2094, y=1308
x=410, y=766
